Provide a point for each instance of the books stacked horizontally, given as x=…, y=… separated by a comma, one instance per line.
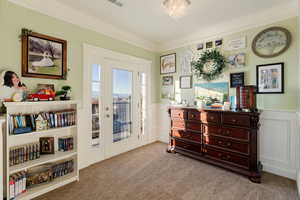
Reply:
x=65, y=143
x=24, y=153
x=25, y=123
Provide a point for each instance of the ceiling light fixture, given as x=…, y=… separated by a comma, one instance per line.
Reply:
x=176, y=8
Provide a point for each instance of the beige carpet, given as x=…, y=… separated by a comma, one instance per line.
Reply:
x=149, y=173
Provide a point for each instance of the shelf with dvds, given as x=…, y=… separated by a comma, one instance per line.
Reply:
x=41, y=143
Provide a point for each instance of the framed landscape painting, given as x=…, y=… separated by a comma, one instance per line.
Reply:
x=44, y=56
x=168, y=64
x=270, y=78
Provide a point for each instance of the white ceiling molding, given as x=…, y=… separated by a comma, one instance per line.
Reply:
x=60, y=11
x=272, y=15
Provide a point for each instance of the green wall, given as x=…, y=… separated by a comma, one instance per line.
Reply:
x=287, y=101
x=13, y=18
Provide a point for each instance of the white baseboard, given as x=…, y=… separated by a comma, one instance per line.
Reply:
x=280, y=171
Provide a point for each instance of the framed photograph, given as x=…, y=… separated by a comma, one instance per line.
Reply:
x=218, y=43
x=167, y=80
x=186, y=82
x=237, y=79
x=209, y=45
x=44, y=56
x=270, y=78
x=168, y=64
x=200, y=46
x=237, y=60
x=47, y=145
x=212, y=93
x=45, y=87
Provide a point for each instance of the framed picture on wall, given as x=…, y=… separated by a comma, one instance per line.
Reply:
x=168, y=64
x=43, y=56
x=237, y=79
x=186, y=82
x=167, y=80
x=270, y=78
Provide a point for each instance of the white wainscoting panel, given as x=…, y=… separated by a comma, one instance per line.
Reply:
x=278, y=142
x=298, y=152
x=163, y=123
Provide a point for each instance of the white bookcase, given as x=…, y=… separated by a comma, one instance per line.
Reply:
x=2, y=125
x=15, y=108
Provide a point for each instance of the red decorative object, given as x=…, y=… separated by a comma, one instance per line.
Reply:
x=246, y=98
x=42, y=95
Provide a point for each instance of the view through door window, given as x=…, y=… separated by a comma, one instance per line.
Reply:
x=122, y=104
x=96, y=70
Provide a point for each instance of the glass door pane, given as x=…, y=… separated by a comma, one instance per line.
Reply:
x=142, y=103
x=95, y=101
x=122, y=104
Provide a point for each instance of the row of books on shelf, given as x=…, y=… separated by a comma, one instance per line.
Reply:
x=65, y=143
x=25, y=123
x=32, y=151
x=24, y=153
x=20, y=182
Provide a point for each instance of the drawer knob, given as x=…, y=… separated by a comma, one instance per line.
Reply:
x=193, y=115
x=226, y=132
x=234, y=120
x=212, y=118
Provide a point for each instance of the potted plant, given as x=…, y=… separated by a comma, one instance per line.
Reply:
x=64, y=93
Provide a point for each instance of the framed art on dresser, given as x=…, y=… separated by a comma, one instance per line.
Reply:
x=270, y=78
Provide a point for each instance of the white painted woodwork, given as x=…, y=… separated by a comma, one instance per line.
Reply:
x=15, y=140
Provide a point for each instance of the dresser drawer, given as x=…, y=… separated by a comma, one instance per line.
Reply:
x=188, y=146
x=209, y=129
x=196, y=137
x=227, y=144
x=236, y=120
x=194, y=115
x=178, y=124
x=227, y=157
x=194, y=126
x=212, y=117
x=234, y=133
x=178, y=114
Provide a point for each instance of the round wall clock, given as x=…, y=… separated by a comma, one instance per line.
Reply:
x=271, y=42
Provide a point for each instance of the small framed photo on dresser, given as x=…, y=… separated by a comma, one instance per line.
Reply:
x=270, y=78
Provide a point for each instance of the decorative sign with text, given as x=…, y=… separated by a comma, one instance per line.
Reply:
x=235, y=44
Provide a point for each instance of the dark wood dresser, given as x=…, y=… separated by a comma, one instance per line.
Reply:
x=223, y=138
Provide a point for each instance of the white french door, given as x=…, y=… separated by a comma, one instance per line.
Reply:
x=116, y=100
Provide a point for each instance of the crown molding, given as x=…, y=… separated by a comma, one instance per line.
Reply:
x=58, y=10
x=65, y=13
x=269, y=16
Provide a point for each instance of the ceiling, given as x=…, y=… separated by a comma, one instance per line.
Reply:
x=147, y=19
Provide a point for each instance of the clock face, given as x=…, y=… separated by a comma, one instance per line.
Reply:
x=271, y=42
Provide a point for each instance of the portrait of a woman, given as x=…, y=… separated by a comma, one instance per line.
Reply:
x=10, y=86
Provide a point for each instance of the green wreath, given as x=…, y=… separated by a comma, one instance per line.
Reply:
x=210, y=65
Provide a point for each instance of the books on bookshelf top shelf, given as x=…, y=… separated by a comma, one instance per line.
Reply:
x=26, y=123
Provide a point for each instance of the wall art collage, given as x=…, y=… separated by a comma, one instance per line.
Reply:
x=207, y=59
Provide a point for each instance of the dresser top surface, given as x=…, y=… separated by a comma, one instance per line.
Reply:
x=175, y=107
